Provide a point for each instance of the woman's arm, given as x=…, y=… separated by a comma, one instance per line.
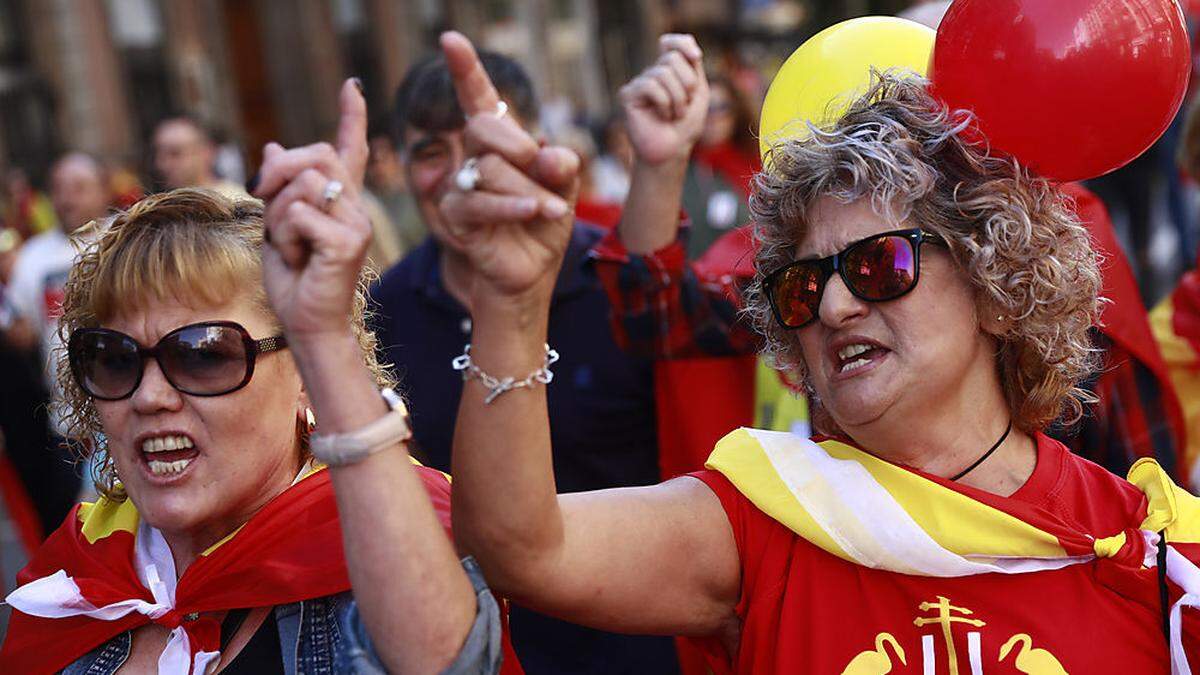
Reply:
x=413, y=594
x=664, y=306
x=665, y=107
x=656, y=560
x=481, y=654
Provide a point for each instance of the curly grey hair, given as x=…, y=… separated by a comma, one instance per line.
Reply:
x=1014, y=235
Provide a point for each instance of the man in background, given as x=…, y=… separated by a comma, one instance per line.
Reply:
x=33, y=300
x=602, y=403
x=185, y=155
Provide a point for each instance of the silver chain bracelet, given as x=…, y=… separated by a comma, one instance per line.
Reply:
x=497, y=386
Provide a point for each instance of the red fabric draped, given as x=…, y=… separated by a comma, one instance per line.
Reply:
x=291, y=550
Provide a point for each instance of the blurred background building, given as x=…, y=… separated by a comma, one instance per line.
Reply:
x=96, y=75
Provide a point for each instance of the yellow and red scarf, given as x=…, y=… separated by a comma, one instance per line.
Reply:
x=85, y=585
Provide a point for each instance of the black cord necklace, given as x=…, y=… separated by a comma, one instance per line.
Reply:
x=987, y=454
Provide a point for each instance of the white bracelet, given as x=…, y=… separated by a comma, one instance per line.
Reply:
x=354, y=446
x=497, y=386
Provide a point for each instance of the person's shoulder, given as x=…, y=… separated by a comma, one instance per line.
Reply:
x=585, y=235
x=717, y=482
x=577, y=274
x=743, y=514
x=1087, y=492
x=760, y=539
x=406, y=274
x=42, y=252
x=43, y=239
x=42, y=246
x=1081, y=470
x=731, y=499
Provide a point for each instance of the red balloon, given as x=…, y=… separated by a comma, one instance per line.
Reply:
x=1071, y=88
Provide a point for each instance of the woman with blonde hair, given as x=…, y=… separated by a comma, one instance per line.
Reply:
x=212, y=385
x=937, y=300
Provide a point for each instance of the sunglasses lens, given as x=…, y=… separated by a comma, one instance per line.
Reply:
x=106, y=365
x=881, y=269
x=797, y=294
x=204, y=360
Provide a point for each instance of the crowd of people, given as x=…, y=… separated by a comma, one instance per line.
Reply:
x=870, y=408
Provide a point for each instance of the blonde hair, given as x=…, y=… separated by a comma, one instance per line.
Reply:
x=188, y=245
x=1014, y=236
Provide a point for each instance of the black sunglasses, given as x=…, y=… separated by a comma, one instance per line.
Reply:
x=202, y=359
x=881, y=267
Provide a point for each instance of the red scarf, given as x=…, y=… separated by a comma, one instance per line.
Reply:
x=291, y=550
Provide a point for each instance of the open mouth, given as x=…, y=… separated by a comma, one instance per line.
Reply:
x=858, y=355
x=169, y=455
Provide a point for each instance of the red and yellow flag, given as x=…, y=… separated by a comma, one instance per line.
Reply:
x=1176, y=325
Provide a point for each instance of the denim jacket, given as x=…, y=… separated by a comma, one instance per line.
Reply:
x=326, y=635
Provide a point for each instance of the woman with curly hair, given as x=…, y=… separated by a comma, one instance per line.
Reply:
x=213, y=386
x=936, y=300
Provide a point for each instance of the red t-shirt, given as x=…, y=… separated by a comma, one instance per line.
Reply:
x=806, y=611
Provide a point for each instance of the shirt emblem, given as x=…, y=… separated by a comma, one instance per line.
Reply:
x=944, y=615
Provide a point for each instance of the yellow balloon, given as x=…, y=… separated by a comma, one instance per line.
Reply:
x=832, y=68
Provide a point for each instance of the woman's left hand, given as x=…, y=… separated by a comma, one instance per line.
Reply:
x=317, y=229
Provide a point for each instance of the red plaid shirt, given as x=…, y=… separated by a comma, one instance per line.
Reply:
x=664, y=307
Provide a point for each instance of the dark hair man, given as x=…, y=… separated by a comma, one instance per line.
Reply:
x=602, y=402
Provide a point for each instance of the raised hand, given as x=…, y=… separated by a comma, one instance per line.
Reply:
x=515, y=223
x=666, y=104
x=316, y=227
x=421, y=605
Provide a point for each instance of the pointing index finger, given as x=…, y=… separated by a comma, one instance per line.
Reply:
x=352, y=130
x=476, y=93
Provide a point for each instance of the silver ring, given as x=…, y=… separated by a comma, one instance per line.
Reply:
x=501, y=110
x=467, y=177
x=333, y=191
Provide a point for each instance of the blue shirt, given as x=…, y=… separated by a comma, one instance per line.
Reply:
x=602, y=421
x=601, y=401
